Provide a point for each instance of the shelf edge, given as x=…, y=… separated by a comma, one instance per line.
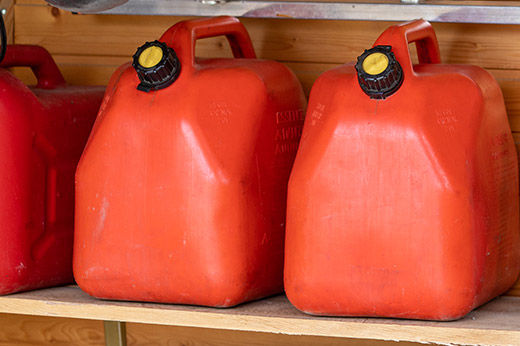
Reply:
x=254, y=323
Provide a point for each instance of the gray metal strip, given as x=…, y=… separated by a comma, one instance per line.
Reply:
x=325, y=10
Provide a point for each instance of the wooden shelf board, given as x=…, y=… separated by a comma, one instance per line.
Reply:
x=497, y=322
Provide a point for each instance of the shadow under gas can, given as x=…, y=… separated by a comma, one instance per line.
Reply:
x=181, y=190
x=43, y=130
x=403, y=200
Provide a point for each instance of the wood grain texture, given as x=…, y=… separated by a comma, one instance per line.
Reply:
x=8, y=5
x=145, y=334
x=31, y=2
x=509, y=82
x=89, y=47
x=490, y=46
x=39, y=330
x=497, y=322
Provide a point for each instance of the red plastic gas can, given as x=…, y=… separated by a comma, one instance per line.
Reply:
x=403, y=200
x=181, y=190
x=42, y=133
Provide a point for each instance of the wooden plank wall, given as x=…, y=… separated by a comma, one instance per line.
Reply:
x=89, y=47
x=36, y=330
x=8, y=5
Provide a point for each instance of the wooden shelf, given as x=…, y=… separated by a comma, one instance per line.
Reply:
x=497, y=322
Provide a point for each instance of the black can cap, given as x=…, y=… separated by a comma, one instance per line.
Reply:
x=379, y=73
x=157, y=66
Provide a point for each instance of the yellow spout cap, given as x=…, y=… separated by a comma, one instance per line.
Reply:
x=375, y=63
x=150, y=57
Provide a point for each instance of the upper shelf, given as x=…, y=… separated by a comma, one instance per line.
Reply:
x=490, y=12
x=496, y=323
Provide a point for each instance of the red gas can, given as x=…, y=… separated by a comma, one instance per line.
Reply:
x=42, y=134
x=181, y=190
x=403, y=200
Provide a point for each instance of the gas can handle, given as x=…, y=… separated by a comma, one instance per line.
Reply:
x=39, y=60
x=182, y=36
x=400, y=36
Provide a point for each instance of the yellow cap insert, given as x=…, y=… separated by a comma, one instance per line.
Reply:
x=150, y=57
x=375, y=63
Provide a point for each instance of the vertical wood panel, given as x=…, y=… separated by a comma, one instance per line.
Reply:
x=38, y=330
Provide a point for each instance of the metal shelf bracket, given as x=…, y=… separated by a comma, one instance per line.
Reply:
x=115, y=333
